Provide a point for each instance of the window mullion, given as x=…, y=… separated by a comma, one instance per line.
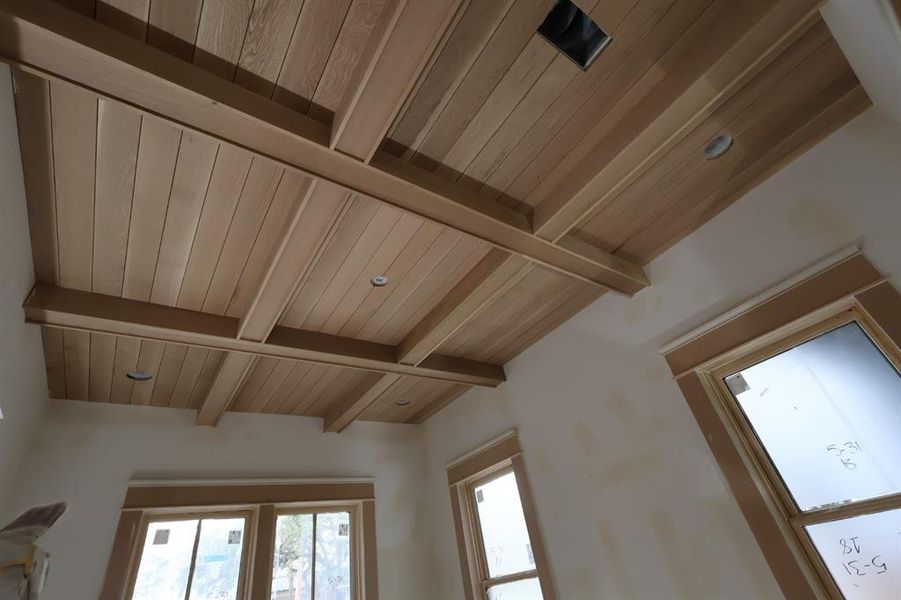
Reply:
x=502, y=579
x=313, y=562
x=193, y=560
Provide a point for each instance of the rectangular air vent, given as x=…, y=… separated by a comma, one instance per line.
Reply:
x=573, y=33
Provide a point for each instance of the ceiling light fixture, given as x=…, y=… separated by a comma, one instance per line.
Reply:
x=139, y=375
x=379, y=281
x=718, y=146
x=402, y=402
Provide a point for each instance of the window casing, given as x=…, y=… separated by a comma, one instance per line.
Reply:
x=793, y=514
x=497, y=468
x=345, y=509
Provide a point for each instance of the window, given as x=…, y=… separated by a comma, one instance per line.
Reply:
x=284, y=541
x=500, y=546
x=801, y=394
x=312, y=556
x=194, y=557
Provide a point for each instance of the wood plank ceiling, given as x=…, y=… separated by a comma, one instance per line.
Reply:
x=607, y=159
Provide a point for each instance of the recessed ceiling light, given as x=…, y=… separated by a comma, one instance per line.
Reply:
x=402, y=402
x=718, y=146
x=379, y=281
x=139, y=375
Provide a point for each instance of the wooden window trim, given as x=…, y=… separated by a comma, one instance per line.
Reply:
x=840, y=291
x=148, y=517
x=260, y=502
x=494, y=459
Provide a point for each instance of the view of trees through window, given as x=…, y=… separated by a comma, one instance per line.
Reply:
x=312, y=557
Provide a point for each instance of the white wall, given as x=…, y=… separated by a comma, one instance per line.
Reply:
x=85, y=453
x=23, y=388
x=630, y=500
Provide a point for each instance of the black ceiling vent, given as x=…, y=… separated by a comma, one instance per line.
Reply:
x=574, y=33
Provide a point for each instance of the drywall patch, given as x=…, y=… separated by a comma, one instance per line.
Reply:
x=543, y=461
x=618, y=569
x=635, y=466
x=820, y=222
x=584, y=438
x=619, y=406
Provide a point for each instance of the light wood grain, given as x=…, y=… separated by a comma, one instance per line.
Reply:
x=156, y=324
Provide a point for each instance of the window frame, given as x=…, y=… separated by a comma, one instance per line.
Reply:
x=249, y=516
x=356, y=518
x=260, y=502
x=847, y=290
x=495, y=459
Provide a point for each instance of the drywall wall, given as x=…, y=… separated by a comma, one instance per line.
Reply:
x=85, y=453
x=629, y=498
x=23, y=389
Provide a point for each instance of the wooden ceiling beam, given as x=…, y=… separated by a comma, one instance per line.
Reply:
x=345, y=410
x=399, y=47
x=644, y=137
x=98, y=313
x=50, y=41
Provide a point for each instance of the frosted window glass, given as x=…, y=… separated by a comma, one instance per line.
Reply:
x=165, y=561
x=828, y=413
x=527, y=589
x=217, y=567
x=504, y=533
x=292, y=571
x=333, y=556
x=863, y=554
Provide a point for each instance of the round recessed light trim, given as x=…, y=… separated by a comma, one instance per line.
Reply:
x=379, y=281
x=718, y=146
x=403, y=403
x=139, y=375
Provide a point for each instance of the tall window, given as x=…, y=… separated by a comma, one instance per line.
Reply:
x=194, y=557
x=501, y=552
x=822, y=413
x=312, y=556
x=291, y=541
x=799, y=397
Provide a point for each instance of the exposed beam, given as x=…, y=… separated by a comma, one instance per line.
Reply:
x=224, y=389
x=640, y=138
x=88, y=311
x=399, y=49
x=344, y=411
x=52, y=42
x=496, y=273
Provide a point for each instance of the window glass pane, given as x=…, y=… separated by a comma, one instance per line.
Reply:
x=527, y=589
x=863, y=554
x=165, y=561
x=292, y=569
x=217, y=567
x=333, y=556
x=828, y=414
x=504, y=533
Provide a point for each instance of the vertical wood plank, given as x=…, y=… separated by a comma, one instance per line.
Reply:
x=173, y=26
x=311, y=45
x=127, y=16
x=157, y=155
x=265, y=44
x=196, y=156
x=220, y=36
x=226, y=183
x=261, y=575
x=74, y=121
